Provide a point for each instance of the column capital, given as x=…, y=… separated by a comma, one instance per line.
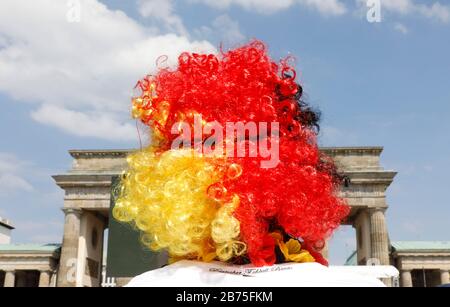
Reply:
x=49, y=271
x=44, y=278
x=372, y=210
x=75, y=211
x=10, y=279
x=445, y=276
x=406, y=278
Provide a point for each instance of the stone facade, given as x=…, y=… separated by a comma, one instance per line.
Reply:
x=422, y=263
x=29, y=267
x=366, y=194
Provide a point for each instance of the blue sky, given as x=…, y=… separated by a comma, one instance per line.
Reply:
x=66, y=85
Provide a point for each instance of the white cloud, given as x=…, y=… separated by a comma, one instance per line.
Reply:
x=324, y=7
x=401, y=28
x=11, y=182
x=96, y=124
x=260, y=6
x=162, y=10
x=399, y=6
x=11, y=174
x=224, y=28
x=228, y=28
x=82, y=71
x=434, y=10
x=9, y=163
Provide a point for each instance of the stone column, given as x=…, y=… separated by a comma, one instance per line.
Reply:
x=379, y=241
x=379, y=237
x=445, y=277
x=44, y=279
x=10, y=279
x=362, y=229
x=406, y=279
x=69, y=251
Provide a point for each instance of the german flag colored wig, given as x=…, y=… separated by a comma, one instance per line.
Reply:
x=228, y=207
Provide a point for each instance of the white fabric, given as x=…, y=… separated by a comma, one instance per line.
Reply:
x=377, y=271
x=217, y=274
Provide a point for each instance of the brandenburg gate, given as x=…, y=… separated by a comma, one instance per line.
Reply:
x=87, y=200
